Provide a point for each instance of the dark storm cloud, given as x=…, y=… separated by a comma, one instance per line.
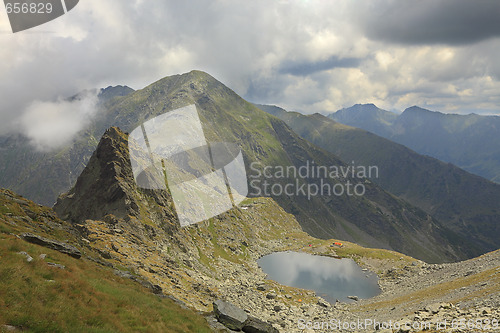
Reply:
x=307, y=68
x=453, y=22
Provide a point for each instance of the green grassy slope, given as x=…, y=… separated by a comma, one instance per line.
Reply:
x=82, y=297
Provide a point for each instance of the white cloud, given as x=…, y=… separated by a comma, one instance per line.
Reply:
x=51, y=125
x=246, y=45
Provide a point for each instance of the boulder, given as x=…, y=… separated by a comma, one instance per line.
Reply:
x=271, y=296
x=254, y=325
x=262, y=287
x=52, y=244
x=56, y=265
x=323, y=303
x=230, y=315
x=433, y=308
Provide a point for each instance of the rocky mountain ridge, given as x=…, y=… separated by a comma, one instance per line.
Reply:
x=377, y=219
x=269, y=142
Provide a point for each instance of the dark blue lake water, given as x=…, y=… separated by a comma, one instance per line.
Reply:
x=330, y=278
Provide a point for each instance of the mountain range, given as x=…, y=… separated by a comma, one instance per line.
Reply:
x=118, y=261
x=377, y=218
x=467, y=141
x=111, y=255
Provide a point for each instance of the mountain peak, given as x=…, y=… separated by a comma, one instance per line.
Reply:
x=192, y=77
x=361, y=108
x=111, y=92
x=364, y=114
x=106, y=188
x=418, y=109
x=366, y=105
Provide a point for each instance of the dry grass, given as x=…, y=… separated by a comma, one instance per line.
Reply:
x=84, y=297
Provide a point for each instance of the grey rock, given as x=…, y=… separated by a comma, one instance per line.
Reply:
x=156, y=289
x=52, y=244
x=310, y=312
x=28, y=257
x=271, y=296
x=56, y=265
x=446, y=306
x=354, y=298
x=485, y=311
x=323, y=303
x=230, y=315
x=216, y=326
x=105, y=254
x=254, y=325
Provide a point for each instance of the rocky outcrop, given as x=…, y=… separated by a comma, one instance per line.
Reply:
x=254, y=325
x=230, y=315
x=235, y=318
x=106, y=189
x=52, y=244
x=128, y=227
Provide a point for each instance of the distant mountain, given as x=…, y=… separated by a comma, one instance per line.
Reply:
x=468, y=141
x=111, y=92
x=466, y=203
x=366, y=116
x=377, y=219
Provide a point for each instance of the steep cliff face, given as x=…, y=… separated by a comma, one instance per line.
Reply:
x=107, y=187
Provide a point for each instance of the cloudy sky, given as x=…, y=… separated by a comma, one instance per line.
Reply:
x=305, y=55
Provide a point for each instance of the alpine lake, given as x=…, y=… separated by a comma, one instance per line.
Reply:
x=332, y=279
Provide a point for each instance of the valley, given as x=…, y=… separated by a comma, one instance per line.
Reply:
x=440, y=189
